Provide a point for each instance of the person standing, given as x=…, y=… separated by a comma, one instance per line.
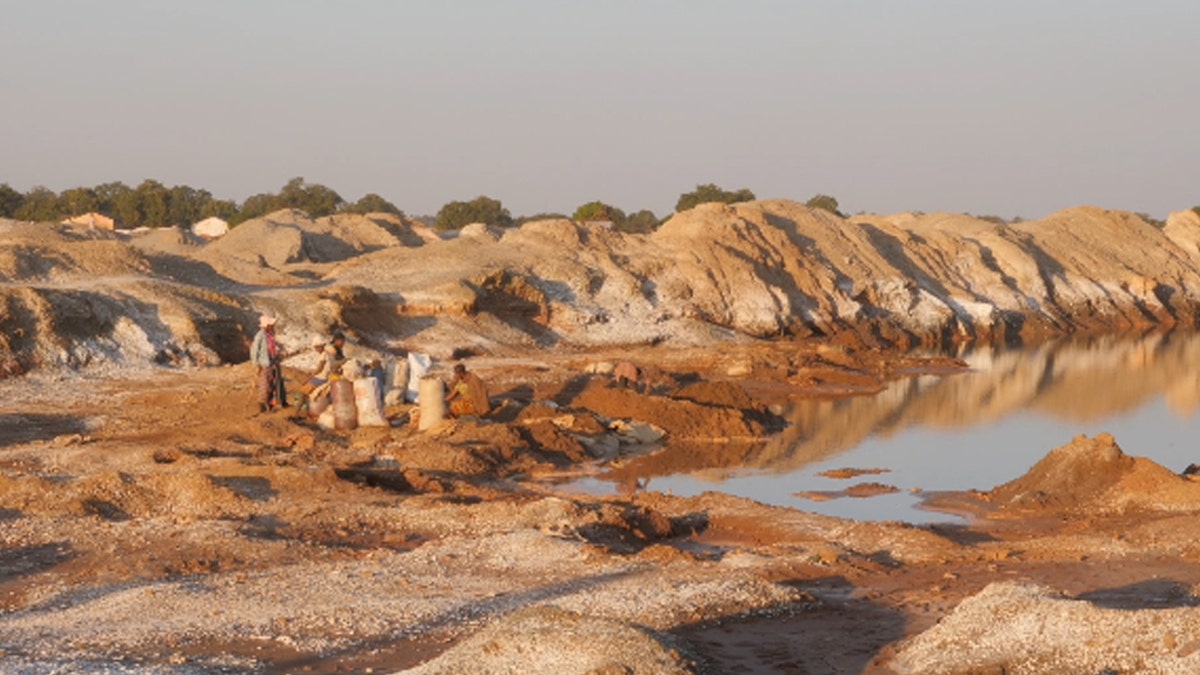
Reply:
x=266, y=353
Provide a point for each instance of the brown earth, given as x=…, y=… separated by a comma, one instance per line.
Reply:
x=150, y=519
x=161, y=520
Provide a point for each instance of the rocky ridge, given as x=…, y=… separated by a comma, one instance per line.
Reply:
x=714, y=273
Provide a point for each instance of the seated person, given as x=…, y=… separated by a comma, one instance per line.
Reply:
x=332, y=358
x=468, y=394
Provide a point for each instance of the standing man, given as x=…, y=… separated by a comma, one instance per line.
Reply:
x=267, y=353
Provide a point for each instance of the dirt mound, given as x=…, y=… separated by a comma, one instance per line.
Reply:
x=52, y=259
x=1021, y=628
x=681, y=419
x=1096, y=476
x=173, y=240
x=723, y=393
x=549, y=640
x=120, y=496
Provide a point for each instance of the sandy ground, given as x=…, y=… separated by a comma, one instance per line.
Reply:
x=158, y=524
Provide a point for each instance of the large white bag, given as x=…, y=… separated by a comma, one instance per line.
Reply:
x=418, y=367
x=366, y=397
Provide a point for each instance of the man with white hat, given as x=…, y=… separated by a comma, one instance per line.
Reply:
x=267, y=353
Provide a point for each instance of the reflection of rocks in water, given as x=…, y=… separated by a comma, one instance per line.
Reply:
x=1072, y=380
x=1079, y=380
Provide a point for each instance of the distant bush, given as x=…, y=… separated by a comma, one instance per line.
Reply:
x=10, y=201
x=824, y=202
x=1196, y=210
x=1160, y=224
x=642, y=222
x=372, y=203
x=997, y=220
x=39, y=205
x=598, y=211
x=521, y=220
x=455, y=215
x=710, y=192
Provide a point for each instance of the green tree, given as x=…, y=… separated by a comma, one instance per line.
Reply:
x=224, y=209
x=314, y=199
x=40, y=205
x=126, y=208
x=153, y=203
x=10, y=201
x=455, y=215
x=824, y=202
x=599, y=211
x=257, y=206
x=373, y=203
x=642, y=222
x=79, y=200
x=109, y=194
x=710, y=192
x=186, y=204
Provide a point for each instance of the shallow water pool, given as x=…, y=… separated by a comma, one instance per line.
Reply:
x=970, y=430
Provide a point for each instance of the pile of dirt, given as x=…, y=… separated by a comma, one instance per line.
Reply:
x=550, y=640
x=58, y=257
x=1095, y=476
x=180, y=241
x=1026, y=628
x=683, y=420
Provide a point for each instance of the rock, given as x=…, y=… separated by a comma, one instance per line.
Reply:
x=1041, y=630
x=550, y=640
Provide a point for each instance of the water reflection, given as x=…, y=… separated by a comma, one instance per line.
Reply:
x=973, y=429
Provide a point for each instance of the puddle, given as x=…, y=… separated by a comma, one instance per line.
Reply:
x=971, y=430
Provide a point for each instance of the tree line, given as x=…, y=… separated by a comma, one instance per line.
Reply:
x=153, y=204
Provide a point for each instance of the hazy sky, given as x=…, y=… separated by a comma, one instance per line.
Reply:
x=1018, y=107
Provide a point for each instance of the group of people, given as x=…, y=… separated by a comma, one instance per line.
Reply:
x=467, y=394
x=267, y=354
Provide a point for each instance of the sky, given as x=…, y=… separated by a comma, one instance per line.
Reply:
x=1015, y=108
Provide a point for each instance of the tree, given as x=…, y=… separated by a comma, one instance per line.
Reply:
x=10, y=201
x=598, y=212
x=256, y=206
x=314, y=199
x=153, y=203
x=824, y=202
x=373, y=203
x=108, y=194
x=40, y=205
x=225, y=209
x=79, y=200
x=187, y=204
x=455, y=215
x=642, y=222
x=710, y=192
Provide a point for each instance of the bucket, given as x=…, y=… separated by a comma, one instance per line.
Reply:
x=345, y=412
